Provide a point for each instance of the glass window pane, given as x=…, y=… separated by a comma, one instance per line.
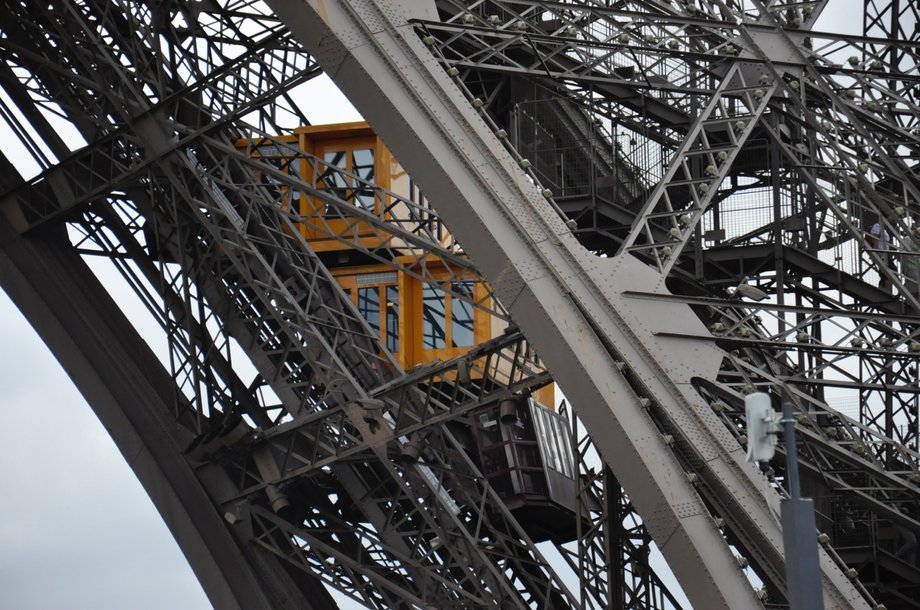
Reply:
x=362, y=160
x=434, y=317
x=461, y=315
x=369, y=306
x=393, y=318
x=552, y=439
x=561, y=434
x=331, y=177
x=362, y=166
x=542, y=435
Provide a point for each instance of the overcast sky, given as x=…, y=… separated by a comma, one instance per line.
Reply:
x=77, y=530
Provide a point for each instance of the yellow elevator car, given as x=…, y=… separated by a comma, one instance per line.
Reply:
x=523, y=448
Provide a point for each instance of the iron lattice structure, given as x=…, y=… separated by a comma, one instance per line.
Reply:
x=626, y=175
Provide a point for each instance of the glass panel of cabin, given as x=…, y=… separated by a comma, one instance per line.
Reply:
x=332, y=177
x=376, y=295
x=369, y=306
x=561, y=436
x=546, y=434
x=348, y=173
x=462, y=329
x=434, y=317
x=392, y=322
x=362, y=166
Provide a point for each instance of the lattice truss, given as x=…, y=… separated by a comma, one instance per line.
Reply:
x=291, y=395
x=840, y=124
x=312, y=440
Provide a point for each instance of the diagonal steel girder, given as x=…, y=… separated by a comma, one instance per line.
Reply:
x=133, y=396
x=601, y=349
x=299, y=300
x=284, y=596
x=699, y=165
x=864, y=69
x=242, y=250
x=405, y=233
x=327, y=438
x=574, y=30
x=311, y=428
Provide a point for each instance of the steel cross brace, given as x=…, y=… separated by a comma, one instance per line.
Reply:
x=700, y=164
x=203, y=455
x=310, y=442
x=269, y=284
x=356, y=572
x=642, y=39
x=563, y=299
x=278, y=433
x=831, y=437
x=281, y=441
x=738, y=329
x=611, y=553
x=580, y=27
x=809, y=17
x=887, y=216
x=874, y=200
x=247, y=259
x=115, y=163
x=403, y=234
x=884, y=472
x=565, y=12
x=132, y=394
x=884, y=210
x=220, y=597
x=262, y=260
x=707, y=36
x=115, y=160
x=208, y=186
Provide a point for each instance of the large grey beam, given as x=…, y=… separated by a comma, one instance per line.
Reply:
x=606, y=351
x=352, y=358
x=133, y=396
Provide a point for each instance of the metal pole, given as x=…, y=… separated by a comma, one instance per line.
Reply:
x=800, y=542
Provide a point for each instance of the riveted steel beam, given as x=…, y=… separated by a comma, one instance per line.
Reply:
x=546, y=284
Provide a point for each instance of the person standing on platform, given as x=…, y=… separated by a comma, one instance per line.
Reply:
x=880, y=240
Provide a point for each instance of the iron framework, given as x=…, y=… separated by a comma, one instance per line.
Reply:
x=673, y=201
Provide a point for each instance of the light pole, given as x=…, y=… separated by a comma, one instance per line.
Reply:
x=800, y=542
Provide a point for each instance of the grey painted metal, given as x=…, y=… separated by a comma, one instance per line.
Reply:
x=565, y=299
x=263, y=271
x=798, y=518
x=133, y=396
x=361, y=490
x=700, y=164
x=831, y=329
x=820, y=354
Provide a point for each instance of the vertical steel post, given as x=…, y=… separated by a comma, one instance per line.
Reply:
x=803, y=584
x=616, y=533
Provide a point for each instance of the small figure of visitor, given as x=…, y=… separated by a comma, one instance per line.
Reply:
x=880, y=240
